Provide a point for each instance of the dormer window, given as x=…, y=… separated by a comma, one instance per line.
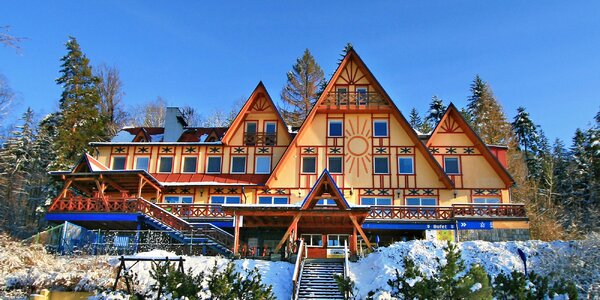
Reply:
x=270, y=133
x=250, y=134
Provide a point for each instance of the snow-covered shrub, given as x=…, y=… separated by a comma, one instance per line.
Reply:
x=229, y=284
x=345, y=284
x=170, y=280
x=531, y=286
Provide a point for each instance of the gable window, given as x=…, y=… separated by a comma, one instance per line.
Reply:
x=380, y=128
x=342, y=95
x=375, y=201
x=335, y=128
x=381, y=165
x=326, y=202
x=273, y=200
x=189, y=164
x=165, y=164
x=250, y=135
x=309, y=165
x=262, y=165
x=213, y=164
x=118, y=162
x=142, y=163
x=337, y=240
x=406, y=165
x=313, y=240
x=451, y=165
x=362, y=95
x=270, y=133
x=225, y=199
x=238, y=164
x=179, y=199
x=335, y=164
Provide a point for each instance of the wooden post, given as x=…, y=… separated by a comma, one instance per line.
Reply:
x=354, y=242
x=359, y=229
x=236, y=237
x=288, y=231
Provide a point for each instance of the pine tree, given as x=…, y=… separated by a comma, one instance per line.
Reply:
x=301, y=90
x=80, y=118
x=486, y=115
x=347, y=48
x=415, y=119
x=436, y=111
x=528, y=141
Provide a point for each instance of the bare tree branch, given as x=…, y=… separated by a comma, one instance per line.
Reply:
x=9, y=40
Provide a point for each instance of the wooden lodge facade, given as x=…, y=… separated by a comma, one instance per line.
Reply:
x=354, y=172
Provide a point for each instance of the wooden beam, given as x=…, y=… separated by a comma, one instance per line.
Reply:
x=288, y=231
x=359, y=229
x=113, y=184
x=150, y=182
x=63, y=192
x=140, y=186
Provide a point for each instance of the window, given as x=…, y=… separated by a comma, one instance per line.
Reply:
x=271, y=133
x=337, y=240
x=326, y=202
x=142, y=162
x=381, y=165
x=335, y=164
x=361, y=95
x=406, y=165
x=342, y=95
x=225, y=199
x=250, y=136
x=251, y=127
x=189, y=164
x=272, y=200
x=336, y=128
x=375, y=201
x=238, y=164
x=118, y=162
x=451, y=165
x=421, y=201
x=262, y=165
x=313, y=240
x=179, y=199
x=309, y=164
x=380, y=128
x=486, y=200
x=165, y=164
x=270, y=127
x=213, y=165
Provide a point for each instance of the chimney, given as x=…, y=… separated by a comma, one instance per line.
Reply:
x=174, y=124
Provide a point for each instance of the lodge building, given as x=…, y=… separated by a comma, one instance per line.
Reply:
x=354, y=172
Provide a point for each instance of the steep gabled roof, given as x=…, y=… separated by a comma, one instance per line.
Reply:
x=351, y=55
x=259, y=91
x=88, y=164
x=460, y=121
x=325, y=188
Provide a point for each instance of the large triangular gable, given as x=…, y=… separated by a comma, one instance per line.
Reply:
x=325, y=188
x=88, y=164
x=260, y=102
x=352, y=57
x=454, y=122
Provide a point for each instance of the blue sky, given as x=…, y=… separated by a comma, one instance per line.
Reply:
x=544, y=55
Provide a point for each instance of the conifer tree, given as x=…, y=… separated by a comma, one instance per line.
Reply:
x=486, y=115
x=436, y=111
x=415, y=119
x=301, y=90
x=80, y=119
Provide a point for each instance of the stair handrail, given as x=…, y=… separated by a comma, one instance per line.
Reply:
x=346, y=263
x=298, y=267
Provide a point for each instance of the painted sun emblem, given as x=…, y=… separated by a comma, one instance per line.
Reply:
x=358, y=156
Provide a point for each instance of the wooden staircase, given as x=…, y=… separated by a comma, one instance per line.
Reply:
x=316, y=279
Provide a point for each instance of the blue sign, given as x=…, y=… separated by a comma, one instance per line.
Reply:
x=475, y=225
x=409, y=226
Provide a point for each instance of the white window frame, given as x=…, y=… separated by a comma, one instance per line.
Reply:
x=256, y=159
x=185, y=158
x=158, y=167
x=387, y=128
x=412, y=160
x=180, y=199
x=457, y=165
x=340, y=244
x=270, y=123
x=208, y=158
x=272, y=198
x=420, y=201
x=312, y=237
x=232, y=158
x=112, y=165
x=137, y=163
x=226, y=198
x=487, y=200
x=335, y=121
x=341, y=158
x=326, y=202
x=388, y=165
x=391, y=200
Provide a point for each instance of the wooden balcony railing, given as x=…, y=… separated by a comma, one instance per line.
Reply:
x=260, y=139
x=195, y=210
x=354, y=100
x=447, y=212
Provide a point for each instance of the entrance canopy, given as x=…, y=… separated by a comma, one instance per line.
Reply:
x=324, y=207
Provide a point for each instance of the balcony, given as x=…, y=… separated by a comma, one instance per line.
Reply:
x=260, y=139
x=468, y=210
x=354, y=100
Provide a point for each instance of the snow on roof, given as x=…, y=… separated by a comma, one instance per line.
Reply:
x=123, y=136
x=156, y=137
x=197, y=183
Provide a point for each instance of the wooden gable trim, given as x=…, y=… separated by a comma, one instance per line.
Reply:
x=241, y=116
x=352, y=55
x=84, y=165
x=325, y=181
x=476, y=140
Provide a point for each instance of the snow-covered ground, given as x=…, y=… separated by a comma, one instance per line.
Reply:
x=574, y=260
